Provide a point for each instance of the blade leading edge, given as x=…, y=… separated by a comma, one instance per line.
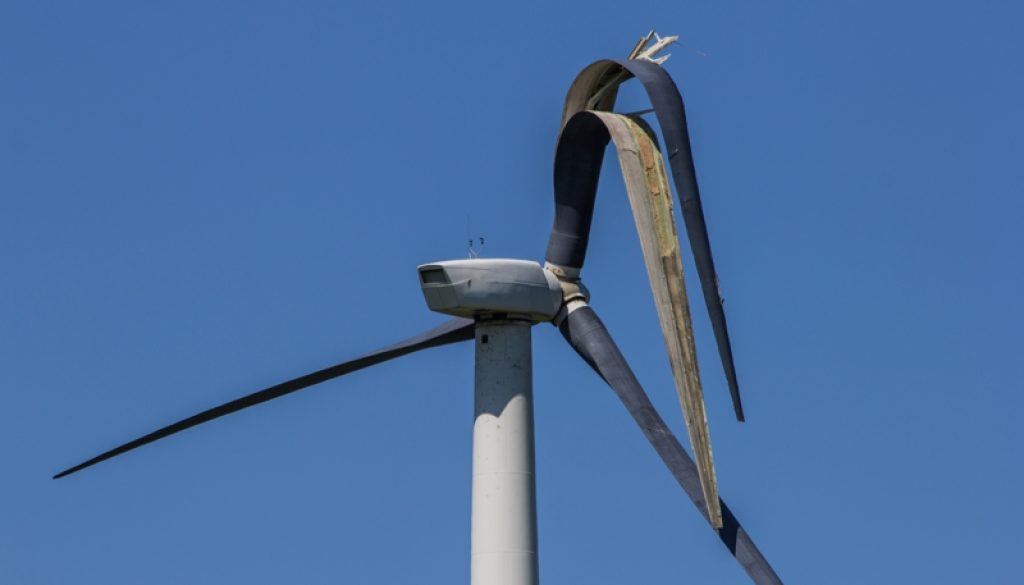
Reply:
x=453, y=331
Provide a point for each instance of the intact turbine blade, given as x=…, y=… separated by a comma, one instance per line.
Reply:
x=588, y=336
x=453, y=331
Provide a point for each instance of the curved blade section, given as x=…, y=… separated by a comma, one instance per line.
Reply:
x=651, y=200
x=588, y=336
x=668, y=106
x=451, y=332
x=573, y=211
x=578, y=158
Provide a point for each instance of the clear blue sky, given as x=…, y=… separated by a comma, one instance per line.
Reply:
x=198, y=201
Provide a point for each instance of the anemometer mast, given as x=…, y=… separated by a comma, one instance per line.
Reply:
x=505, y=298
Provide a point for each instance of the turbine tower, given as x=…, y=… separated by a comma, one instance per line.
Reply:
x=505, y=298
x=496, y=302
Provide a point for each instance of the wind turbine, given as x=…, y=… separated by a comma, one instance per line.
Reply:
x=496, y=302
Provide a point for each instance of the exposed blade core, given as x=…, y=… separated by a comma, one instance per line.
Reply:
x=577, y=172
x=651, y=199
x=451, y=332
x=588, y=336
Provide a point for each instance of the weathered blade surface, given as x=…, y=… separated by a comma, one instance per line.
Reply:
x=588, y=336
x=651, y=199
x=451, y=332
x=576, y=177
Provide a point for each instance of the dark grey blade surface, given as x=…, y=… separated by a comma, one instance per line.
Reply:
x=451, y=332
x=588, y=336
x=577, y=166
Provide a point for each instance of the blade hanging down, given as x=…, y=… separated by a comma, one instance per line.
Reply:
x=588, y=336
x=651, y=200
x=453, y=331
x=572, y=226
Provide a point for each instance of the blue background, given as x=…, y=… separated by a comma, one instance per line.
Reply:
x=197, y=201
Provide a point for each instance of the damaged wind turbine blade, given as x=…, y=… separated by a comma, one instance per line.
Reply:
x=453, y=331
x=639, y=47
x=640, y=52
x=671, y=116
x=649, y=53
x=651, y=200
x=579, y=152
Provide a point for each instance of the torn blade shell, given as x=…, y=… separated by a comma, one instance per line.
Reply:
x=650, y=197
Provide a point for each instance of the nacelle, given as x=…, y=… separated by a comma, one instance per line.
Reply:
x=491, y=287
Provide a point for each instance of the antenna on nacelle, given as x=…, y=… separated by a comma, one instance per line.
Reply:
x=476, y=252
x=473, y=252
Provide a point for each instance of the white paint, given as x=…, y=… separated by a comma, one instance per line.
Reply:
x=504, y=516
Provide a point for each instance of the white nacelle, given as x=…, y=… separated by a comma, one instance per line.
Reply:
x=482, y=287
